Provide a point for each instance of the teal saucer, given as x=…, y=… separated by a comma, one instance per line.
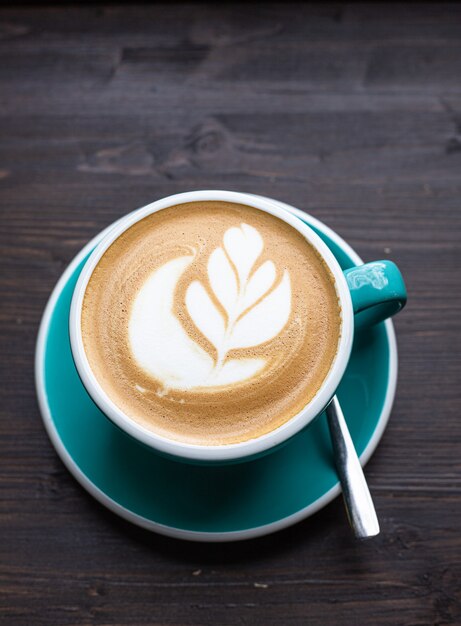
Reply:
x=197, y=502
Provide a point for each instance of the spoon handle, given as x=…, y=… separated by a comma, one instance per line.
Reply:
x=359, y=505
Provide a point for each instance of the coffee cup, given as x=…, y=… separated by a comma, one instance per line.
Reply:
x=228, y=301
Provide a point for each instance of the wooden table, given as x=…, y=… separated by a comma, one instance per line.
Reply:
x=352, y=113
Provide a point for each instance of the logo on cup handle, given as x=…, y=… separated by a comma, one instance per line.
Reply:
x=240, y=305
x=368, y=275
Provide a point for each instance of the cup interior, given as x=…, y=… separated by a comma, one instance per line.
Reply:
x=225, y=452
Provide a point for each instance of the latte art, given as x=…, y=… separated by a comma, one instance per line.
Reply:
x=210, y=322
x=241, y=305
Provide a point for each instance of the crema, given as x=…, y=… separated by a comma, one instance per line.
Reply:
x=211, y=322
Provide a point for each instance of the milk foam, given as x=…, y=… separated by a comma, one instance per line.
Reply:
x=254, y=309
x=210, y=322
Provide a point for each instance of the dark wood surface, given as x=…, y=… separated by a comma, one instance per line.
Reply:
x=352, y=113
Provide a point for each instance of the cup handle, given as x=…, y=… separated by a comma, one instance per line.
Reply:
x=377, y=291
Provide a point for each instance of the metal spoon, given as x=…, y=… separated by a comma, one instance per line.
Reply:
x=359, y=505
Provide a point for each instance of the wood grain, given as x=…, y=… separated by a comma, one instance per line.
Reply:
x=350, y=112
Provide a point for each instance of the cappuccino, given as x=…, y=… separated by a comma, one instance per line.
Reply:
x=211, y=322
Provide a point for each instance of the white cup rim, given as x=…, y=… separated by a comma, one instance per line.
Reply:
x=225, y=452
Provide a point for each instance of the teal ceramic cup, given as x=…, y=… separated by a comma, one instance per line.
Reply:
x=367, y=294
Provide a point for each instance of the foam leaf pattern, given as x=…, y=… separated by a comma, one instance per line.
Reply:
x=204, y=314
x=259, y=284
x=222, y=279
x=256, y=311
x=243, y=245
x=265, y=320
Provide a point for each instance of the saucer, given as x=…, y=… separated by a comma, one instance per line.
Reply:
x=201, y=503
